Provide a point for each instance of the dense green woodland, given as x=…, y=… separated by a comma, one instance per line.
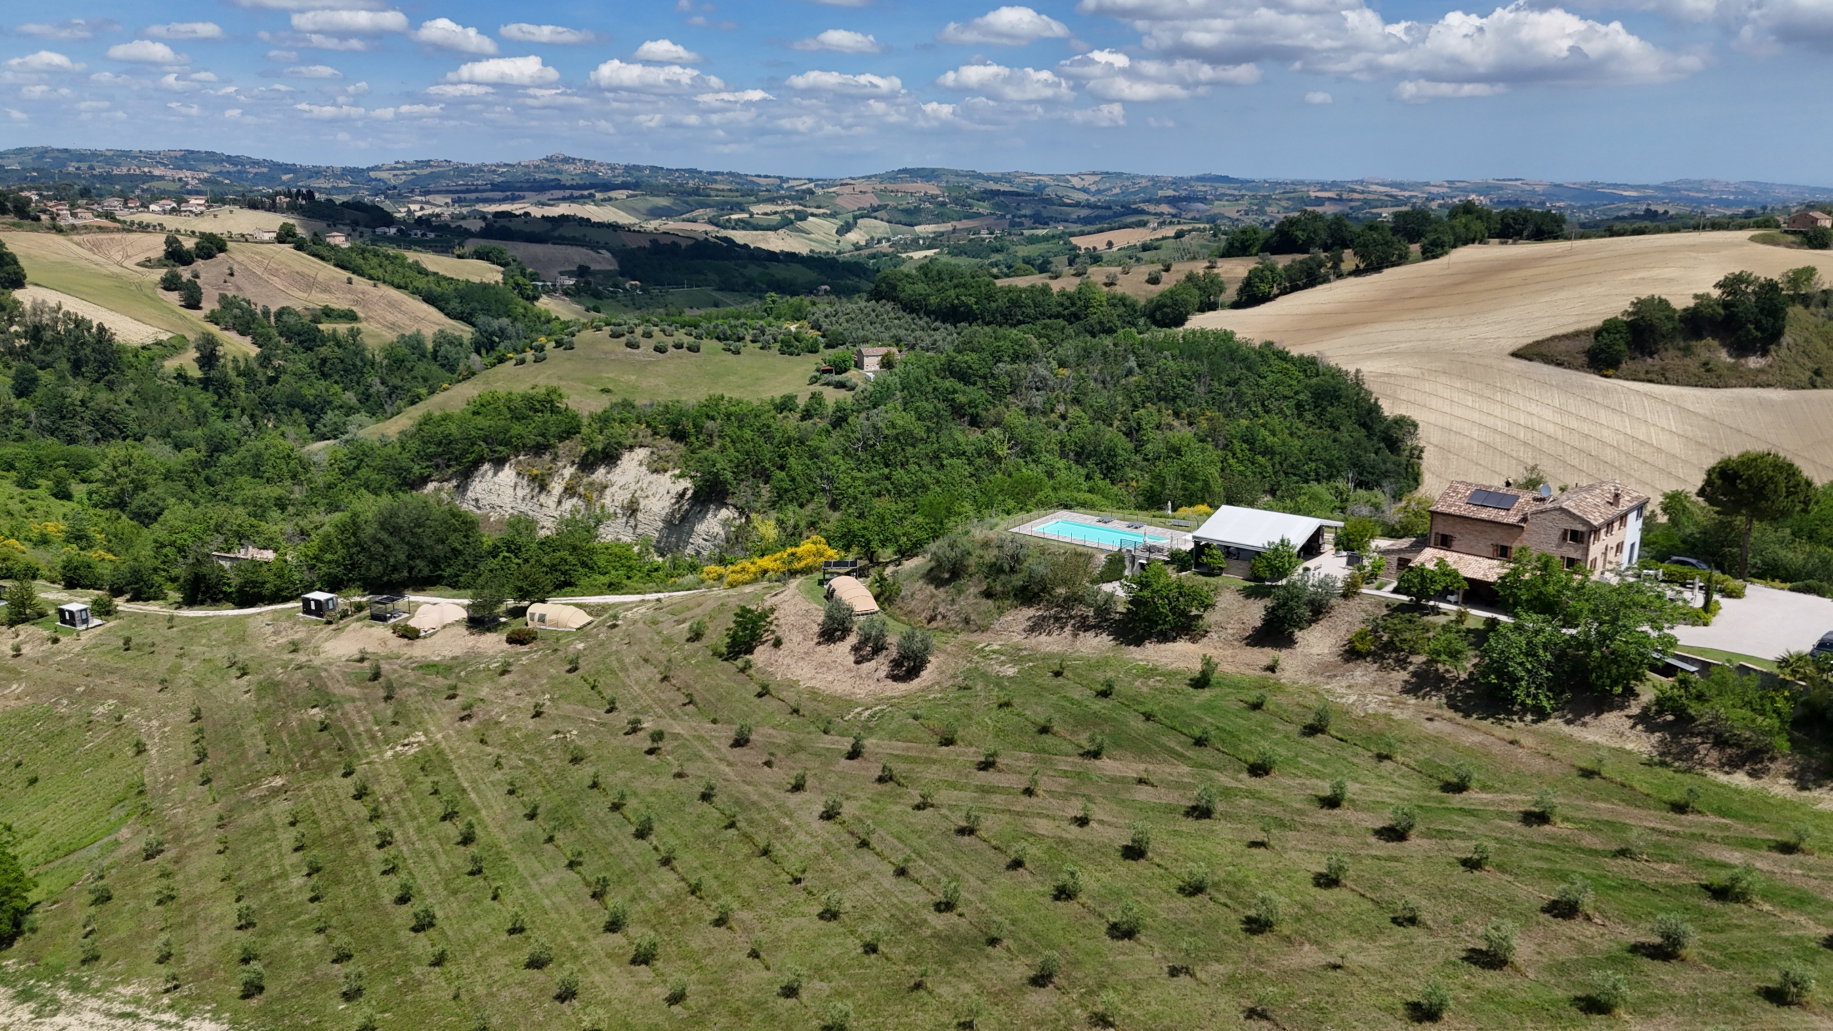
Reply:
x=165, y=465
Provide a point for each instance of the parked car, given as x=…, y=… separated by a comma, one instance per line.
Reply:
x=1824, y=646
x=1682, y=560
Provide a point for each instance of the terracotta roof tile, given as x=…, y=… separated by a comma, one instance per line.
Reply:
x=1595, y=503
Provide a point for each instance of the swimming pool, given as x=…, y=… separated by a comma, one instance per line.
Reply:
x=1096, y=535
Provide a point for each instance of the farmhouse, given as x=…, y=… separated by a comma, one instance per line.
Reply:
x=875, y=359
x=265, y=235
x=1477, y=529
x=547, y=615
x=1234, y=535
x=162, y=207
x=318, y=604
x=1802, y=221
x=337, y=239
x=854, y=593
x=245, y=553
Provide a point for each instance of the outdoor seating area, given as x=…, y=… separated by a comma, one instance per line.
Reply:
x=386, y=608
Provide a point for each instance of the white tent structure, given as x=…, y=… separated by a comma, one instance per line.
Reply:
x=546, y=615
x=431, y=617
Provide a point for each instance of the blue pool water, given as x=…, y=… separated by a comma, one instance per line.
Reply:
x=1100, y=536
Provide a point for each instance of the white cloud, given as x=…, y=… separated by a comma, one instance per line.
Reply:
x=841, y=41
x=505, y=71
x=666, y=51
x=650, y=78
x=188, y=110
x=313, y=5
x=177, y=83
x=1010, y=84
x=1005, y=26
x=1319, y=97
x=419, y=110
x=1107, y=116
x=329, y=112
x=447, y=34
x=111, y=79
x=145, y=51
x=42, y=92
x=1112, y=75
x=553, y=35
x=283, y=56
x=321, y=41
x=313, y=71
x=354, y=22
x=460, y=89
x=93, y=105
x=43, y=62
x=839, y=82
x=1772, y=24
x=1527, y=41
x=74, y=28
x=186, y=30
x=749, y=96
x=1418, y=91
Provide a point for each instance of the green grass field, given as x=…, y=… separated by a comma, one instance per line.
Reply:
x=600, y=369
x=925, y=896
x=55, y=261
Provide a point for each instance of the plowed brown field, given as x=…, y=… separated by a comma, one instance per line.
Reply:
x=1433, y=341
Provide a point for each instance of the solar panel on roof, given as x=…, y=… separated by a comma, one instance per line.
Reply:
x=1492, y=499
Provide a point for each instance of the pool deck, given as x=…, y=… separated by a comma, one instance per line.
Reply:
x=1178, y=540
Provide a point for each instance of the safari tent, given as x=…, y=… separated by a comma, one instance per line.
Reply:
x=318, y=604
x=431, y=617
x=854, y=593
x=546, y=615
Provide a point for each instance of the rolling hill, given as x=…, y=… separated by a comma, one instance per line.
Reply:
x=1433, y=341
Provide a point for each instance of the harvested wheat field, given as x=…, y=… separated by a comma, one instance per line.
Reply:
x=469, y=269
x=1129, y=236
x=99, y=270
x=1433, y=341
x=276, y=275
x=127, y=330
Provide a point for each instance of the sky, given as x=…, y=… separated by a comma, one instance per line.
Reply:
x=1617, y=90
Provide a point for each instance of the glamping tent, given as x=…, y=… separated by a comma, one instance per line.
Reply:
x=318, y=604
x=431, y=617
x=546, y=615
x=854, y=593
x=74, y=615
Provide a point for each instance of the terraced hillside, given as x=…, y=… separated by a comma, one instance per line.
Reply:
x=291, y=825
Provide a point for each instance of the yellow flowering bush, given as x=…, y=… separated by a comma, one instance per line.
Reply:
x=805, y=557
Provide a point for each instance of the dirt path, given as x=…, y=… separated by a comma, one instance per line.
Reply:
x=49, y=1008
x=1433, y=341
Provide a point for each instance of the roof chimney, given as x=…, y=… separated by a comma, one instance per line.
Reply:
x=1616, y=498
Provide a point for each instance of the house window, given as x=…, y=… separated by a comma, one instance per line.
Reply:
x=1444, y=540
x=1569, y=562
x=1575, y=536
x=1502, y=551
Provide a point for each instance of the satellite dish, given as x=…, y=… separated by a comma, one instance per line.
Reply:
x=1546, y=490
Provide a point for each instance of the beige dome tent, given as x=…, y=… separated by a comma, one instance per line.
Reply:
x=546, y=615
x=431, y=617
x=854, y=593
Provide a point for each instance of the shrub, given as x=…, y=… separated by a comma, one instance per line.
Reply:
x=1545, y=809
x=1204, y=807
x=1739, y=885
x=871, y=635
x=832, y=905
x=1409, y=913
x=1068, y=886
x=1572, y=899
x=1206, y=672
x=1097, y=746
x=1266, y=913
x=1264, y=762
x=254, y=980
x=950, y=899
x=830, y=808
x=839, y=1017
x=1434, y=1001
x=1139, y=843
x=1794, y=984
x=1319, y=723
x=1049, y=965
x=1479, y=856
x=617, y=917
x=353, y=984
x=1609, y=992
x=1673, y=935
x=914, y=647
x=1337, y=795
x=1500, y=942
x=1336, y=868
x=1275, y=563
x=1401, y=820
x=836, y=621
x=645, y=949
x=522, y=635
x=424, y=919
x=1194, y=882
x=540, y=954
x=1128, y=921
x=1463, y=778
x=677, y=991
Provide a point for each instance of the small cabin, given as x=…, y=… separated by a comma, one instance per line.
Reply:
x=386, y=608
x=318, y=605
x=74, y=615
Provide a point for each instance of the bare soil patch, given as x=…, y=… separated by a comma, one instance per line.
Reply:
x=836, y=668
x=369, y=638
x=551, y=259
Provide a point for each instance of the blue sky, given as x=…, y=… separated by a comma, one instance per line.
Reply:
x=1626, y=90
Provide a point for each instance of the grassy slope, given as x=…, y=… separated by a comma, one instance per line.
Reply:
x=1336, y=960
x=599, y=363
x=62, y=263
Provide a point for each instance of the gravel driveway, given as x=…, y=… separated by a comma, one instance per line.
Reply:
x=1765, y=622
